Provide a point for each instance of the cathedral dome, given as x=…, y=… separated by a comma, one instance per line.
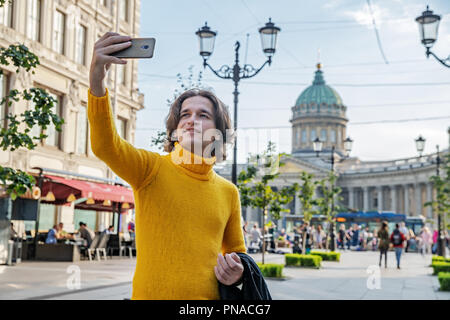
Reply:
x=319, y=93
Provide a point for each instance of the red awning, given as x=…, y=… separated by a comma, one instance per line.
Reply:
x=97, y=191
x=63, y=187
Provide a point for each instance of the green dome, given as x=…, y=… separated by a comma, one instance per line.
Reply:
x=319, y=93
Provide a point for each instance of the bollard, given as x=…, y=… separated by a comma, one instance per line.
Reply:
x=10, y=252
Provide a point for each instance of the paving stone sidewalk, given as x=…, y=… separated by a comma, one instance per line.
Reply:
x=346, y=279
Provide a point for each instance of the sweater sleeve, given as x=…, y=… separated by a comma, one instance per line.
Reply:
x=136, y=166
x=233, y=238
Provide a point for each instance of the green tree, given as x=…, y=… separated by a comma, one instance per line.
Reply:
x=254, y=188
x=307, y=201
x=328, y=203
x=17, y=182
x=441, y=205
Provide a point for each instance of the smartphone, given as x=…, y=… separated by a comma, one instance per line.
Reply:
x=140, y=48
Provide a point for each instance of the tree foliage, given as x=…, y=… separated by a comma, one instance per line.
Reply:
x=13, y=137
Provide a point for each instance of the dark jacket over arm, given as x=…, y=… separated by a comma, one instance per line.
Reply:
x=254, y=286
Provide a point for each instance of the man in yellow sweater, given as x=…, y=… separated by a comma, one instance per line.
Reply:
x=188, y=218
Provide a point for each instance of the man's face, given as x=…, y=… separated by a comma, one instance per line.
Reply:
x=196, y=117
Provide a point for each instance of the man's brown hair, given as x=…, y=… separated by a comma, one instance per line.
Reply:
x=222, y=120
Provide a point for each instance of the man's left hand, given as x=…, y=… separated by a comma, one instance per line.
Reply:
x=229, y=269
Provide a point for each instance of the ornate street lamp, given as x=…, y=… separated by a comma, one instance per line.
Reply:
x=317, y=146
x=428, y=28
x=420, y=145
x=206, y=38
x=348, y=145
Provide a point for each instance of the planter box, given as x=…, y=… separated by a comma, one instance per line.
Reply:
x=58, y=252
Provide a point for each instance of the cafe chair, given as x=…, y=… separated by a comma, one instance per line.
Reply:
x=102, y=246
x=93, y=246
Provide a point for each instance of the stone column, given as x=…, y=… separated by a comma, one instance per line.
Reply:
x=429, y=210
x=393, y=198
x=297, y=203
x=406, y=198
x=380, y=198
x=366, y=199
x=351, y=197
x=418, y=196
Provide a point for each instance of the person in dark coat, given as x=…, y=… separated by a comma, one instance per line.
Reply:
x=383, y=235
x=254, y=286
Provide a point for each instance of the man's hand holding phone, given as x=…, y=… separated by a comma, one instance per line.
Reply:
x=101, y=59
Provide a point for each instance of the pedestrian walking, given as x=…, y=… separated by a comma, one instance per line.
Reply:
x=356, y=236
x=397, y=239
x=364, y=238
x=341, y=236
x=256, y=237
x=319, y=236
x=245, y=231
x=188, y=218
x=426, y=240
x=384, y=242
x=435, y=241
x=349, y=237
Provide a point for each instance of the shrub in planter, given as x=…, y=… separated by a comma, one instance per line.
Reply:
x=440, y=267
x=271, y=270
x=439, y=259
x=303, y=260
x=328, y=256
x=444, y=280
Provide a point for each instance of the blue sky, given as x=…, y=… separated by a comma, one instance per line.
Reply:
x=351, y=58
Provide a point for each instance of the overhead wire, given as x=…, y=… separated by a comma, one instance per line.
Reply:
x=349, y=124
x=376, y=32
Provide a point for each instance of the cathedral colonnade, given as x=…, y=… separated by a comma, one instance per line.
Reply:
x=408, y=198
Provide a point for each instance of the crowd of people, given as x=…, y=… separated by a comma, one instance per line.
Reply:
x=355, y=237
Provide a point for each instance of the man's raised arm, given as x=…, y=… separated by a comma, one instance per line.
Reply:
x=136, y=166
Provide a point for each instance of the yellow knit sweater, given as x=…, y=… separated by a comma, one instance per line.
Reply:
x=186, y=214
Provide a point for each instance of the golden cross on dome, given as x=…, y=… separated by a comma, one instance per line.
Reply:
x=319, y=65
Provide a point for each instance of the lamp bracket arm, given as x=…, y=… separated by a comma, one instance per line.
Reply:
x=249, y=71
x=445, y=62
x=225, y=72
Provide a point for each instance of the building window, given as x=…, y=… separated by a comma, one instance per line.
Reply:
x=304, y=137
x=3, y=93
x=120, y=74
x=339, y=135
x=333, y=136
x=82, y=131
x=6, y=14
x=121, y=126
x=123, y=10
x=297, y=136
x=33, y=19
x=80, y=47
x=313, y=134
x=323, y=135
x=53, y=138
x=103, y=3
x=58, y=32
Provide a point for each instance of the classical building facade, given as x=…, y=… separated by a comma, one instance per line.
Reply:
x=62, y=34
x=399, y=186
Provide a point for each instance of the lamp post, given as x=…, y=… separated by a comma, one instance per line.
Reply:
x=268, y=40
x=428, y=28
x=317, y=146
x=420, y=144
